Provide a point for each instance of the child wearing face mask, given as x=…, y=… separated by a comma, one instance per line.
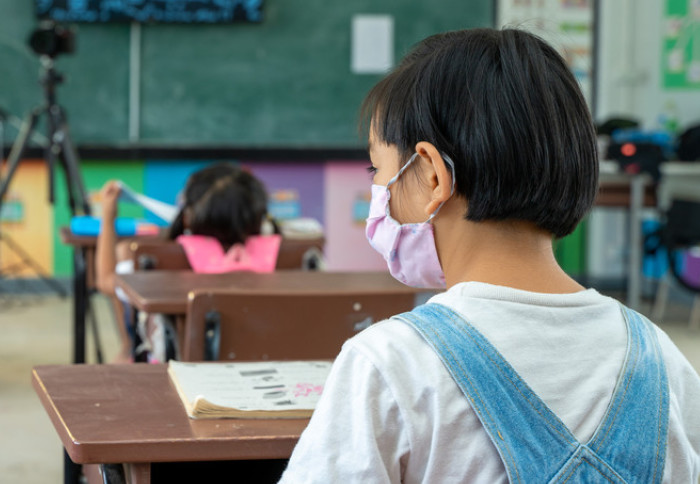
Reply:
x=483, y=151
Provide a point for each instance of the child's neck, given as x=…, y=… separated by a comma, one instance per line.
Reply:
x=512, y=254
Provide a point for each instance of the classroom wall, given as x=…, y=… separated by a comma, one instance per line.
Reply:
x=635, y=75
x=26, y=224
x=95, y=175
x=336, y=193
x=347, y=206
x=636, y=78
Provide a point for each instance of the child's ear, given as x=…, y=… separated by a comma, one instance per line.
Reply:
x=437, y=175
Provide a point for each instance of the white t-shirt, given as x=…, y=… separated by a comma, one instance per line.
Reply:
x=390, y=411
x=125, y=266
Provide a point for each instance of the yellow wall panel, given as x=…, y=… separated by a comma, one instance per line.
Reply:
x=26, y=221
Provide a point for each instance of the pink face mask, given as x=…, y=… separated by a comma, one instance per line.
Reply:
x=408, y=249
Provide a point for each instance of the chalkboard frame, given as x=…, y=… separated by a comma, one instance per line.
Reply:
x=131, y=152
x=151, y=11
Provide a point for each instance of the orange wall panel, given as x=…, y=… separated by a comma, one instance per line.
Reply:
x=27, y=221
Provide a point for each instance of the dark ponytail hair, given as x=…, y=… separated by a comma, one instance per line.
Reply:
x=222, y=201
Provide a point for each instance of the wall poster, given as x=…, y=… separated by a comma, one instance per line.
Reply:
x=680, y=63
x=567, y=24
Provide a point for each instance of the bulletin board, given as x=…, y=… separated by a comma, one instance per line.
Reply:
x=680, y=63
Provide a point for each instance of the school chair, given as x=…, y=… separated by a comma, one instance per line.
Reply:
x=679, y=204
x=158, y=255
x=243, y=325
x=168, y=255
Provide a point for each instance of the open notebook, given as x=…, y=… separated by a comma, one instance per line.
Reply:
x=270, y=389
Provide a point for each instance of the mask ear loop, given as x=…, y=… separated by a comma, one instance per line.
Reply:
x=451, y=164
x=403, y=168
x=393, y=180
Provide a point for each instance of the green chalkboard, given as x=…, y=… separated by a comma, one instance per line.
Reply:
x=95, y=91
x=285, y=82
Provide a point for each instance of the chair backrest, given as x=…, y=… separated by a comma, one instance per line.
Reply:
x=159, y=254
x=681, y=236
x=237, y=325
x=169, y=255
x=294, y=253
x=683, y=223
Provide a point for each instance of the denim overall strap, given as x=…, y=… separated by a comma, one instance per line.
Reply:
x=533, y=443
x=632, y=436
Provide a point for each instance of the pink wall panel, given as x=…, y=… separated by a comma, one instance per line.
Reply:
x=347, y=190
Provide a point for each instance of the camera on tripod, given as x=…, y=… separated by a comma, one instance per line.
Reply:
x=51, y=39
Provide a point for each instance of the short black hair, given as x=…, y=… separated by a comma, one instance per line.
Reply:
x=504, y=106
x=225, y=202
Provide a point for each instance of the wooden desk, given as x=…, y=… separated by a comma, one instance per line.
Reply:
x=132, y=414
x=167, y=291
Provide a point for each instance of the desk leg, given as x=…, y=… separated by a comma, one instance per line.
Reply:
x=634, y=283
x=71, y=470
x=79, y=304
x=180, y=328
x=139, y=473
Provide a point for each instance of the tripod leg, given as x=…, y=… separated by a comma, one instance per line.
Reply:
x=71, y=163
x=17, y=151
x=54, y=151
x=26, y=259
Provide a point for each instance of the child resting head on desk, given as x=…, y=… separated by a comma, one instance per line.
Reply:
x=482, y=152
x=222, y=225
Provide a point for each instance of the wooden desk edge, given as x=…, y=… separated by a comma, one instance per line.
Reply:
x=141, y=452
x=167, y=307
x=134, y=298
x=73, y=449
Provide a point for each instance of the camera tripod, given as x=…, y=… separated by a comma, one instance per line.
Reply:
x=60, y=146
x=59, y=149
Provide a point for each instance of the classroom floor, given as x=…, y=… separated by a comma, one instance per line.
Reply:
x=37, y=330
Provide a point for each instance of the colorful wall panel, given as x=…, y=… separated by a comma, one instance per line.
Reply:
x=346, y=205
x=295, y=189
x=26, y=222
x=165, y=179
x=95, y=175
x=335, y=193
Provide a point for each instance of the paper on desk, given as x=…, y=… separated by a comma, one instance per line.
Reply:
x=156, y=207
x=270, y=389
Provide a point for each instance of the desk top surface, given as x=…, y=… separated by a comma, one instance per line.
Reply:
x=167, y=291
x=132, y=413
x=90, y=241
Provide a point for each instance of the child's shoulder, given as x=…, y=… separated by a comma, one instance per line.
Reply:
x=389, y=343
x=379, y=333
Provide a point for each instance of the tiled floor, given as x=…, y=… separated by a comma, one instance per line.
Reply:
x=37, y=330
